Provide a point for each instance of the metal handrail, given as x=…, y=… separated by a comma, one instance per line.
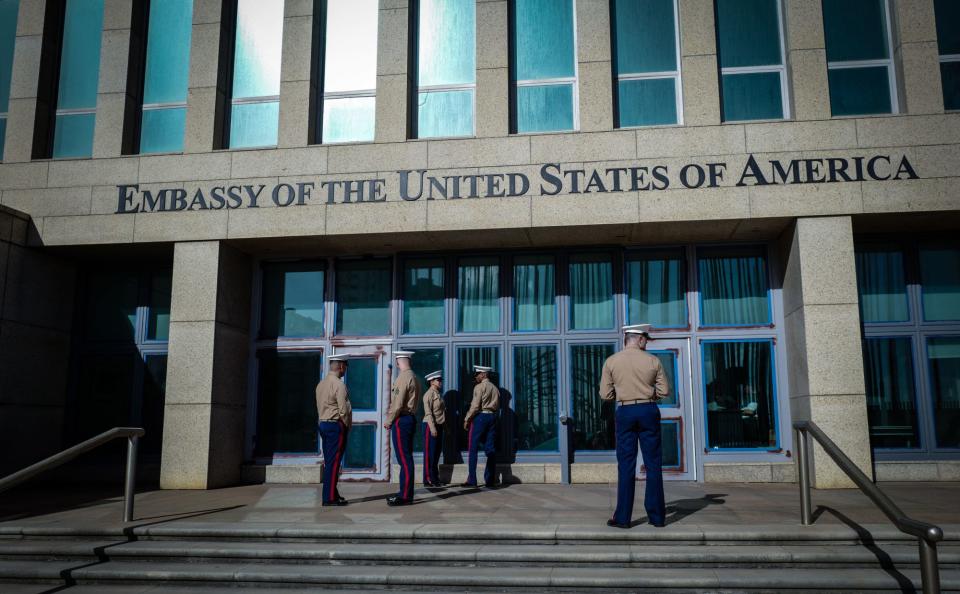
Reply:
x=133, y=434
x=928, y=535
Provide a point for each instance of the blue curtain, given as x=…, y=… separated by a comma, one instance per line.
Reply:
x=591, y=292
x=733, y=287
x=534, y=293
x=423, y=297
x=478, y=293
x=535, y=373
x=738, y=381
x=656, y=288
x=593, y=418
x=882, y=283
x=891, y=401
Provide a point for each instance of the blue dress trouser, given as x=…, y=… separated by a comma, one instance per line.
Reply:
x=402, y=436
x=483, y=430
x=334, y=437
x=639, y=423
x=431, y=454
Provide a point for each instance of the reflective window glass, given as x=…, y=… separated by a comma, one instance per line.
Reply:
x=467, y=357
x=79, y=75
x=593, y=418
x=152, y=404
x=670, y=436
x=645, y=50
x=669, y=361
x=534, y=294
x=158, y=320
x=950, y=78
x=8, y=35
x=423, y=297
x=256, y=73
x=286, y=406
x=943, y=354
x=349, y=71
x=948, y=32
x=361, y=452
x=859, y=91
x=656, y=288
x=535, y=397
x=748, y=33
x=361, y=380
x=855, y=30
x=478, y=294
x=882, y=283
x=647, y=102
x=733, y=286
x=161, y=130
x=363, y=291
x=940, y=282
x=591, y=292
x=446, y=42
x=111, y=309
x=350, y=119
x=752, y=96
x=73, y=135
x=445, y=113
x=543, y=50
x=423, y=362
x=293, y=299
x=544, y=108
x=165, y=76
x=740, y=400
x=891, y=401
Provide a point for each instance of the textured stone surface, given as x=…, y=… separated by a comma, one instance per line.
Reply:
x=596, y=105
x=800, y=136
x=297, y=37
x=701, y=90
x=593, y=31
x=493, y=105
x=697, y=28
x=809, y=84
x=919, y=67
x=492, y=35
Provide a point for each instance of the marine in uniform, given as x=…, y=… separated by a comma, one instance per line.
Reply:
x=335, y=416
x=434, y=416
x=401, y=420
x=636, y=380
x=480, y=424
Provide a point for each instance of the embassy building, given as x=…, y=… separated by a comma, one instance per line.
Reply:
x=201, y=200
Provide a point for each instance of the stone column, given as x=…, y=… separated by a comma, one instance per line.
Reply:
x=202, y=82
x=824, y=354
x=23, y=86
x=807, y=60
x=698, y=63
x=393, y=33
x=204, y=415
x=594, y=72
x=295, y=74
x=112, y=86
x=493, y=70
x=917, y=57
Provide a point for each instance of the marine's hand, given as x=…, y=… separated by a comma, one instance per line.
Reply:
x=386, y=426
x=433, y=433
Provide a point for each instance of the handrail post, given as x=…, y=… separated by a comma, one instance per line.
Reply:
x=929, y=567
x=130, y=478
x=803, y=462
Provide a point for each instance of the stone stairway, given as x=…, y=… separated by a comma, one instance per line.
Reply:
x=184, y=556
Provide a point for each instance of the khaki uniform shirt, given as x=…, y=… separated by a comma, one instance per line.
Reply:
x=434, y=410
x=486, y=398
x=404, y=396
x=333, y=400
x=633, y=374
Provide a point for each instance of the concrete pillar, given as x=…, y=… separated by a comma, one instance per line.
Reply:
x=917, y=57
x=202, y=82
x=825, y=359
x=204, y=415
x=393, y=99
x=112, y=86
x=698, y=63
x=493, y=70
x=23, y=85
x=807, y=60
x=295, y=74
x=594, y=72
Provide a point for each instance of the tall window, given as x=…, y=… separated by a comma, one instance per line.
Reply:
x=293, y=300
x=591, y=292
x=255, y=99
x=859, y=59
x=646, y=62
x=535, y=373
x=363, y=291
x=349, y=71
x=446, y=68
x=8, y=35
x=595, y=427
x=656, y=291
x=424, y=311
x=734, y=290
x=752, y=71
x=165, y=77
x=534, y=294
x=543, y=66
x=79, y=73
x=740, y=394
x=478, y=294
x=948, y=43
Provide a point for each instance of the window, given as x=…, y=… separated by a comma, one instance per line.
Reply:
x=940, y=281
x=734, y=290
x=882, y=283
x=535, y=374
x=286, y=414
x=423, y=297
x=891, y=400
x=292, y=300
x=163, y=119
x=79, y=74
x=740, y=394
x=361, y=380
x=593, y=418
x=8, y=38
x=591, y=292
x=478, y=294
x=534, y=294
x=349, y=71
x=467, y=357
x=255, y=99
x=656, y=292
x=543, y=69
x=752, y=69
x=363, y=297
x=446, y=68
x=361, y=452
x=948, y=43
x=859, y=60
x=944, y=356
x=646, y=62
x=424, y=361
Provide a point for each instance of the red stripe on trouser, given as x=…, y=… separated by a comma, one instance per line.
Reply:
x=336, y=465
x=470, y=448
x=426, y=453
x=403, y=461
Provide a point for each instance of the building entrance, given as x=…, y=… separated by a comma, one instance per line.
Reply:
x=368, y=379
x=676, y=411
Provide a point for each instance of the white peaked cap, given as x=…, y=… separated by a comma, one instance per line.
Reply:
x=433, y=375
x=339, y=357
x=402, y=354
x=638, y=329
x=481, y=369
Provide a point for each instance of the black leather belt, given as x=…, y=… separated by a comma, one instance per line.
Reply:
x=632, y=402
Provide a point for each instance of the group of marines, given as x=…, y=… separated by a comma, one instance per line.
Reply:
x=632, y=377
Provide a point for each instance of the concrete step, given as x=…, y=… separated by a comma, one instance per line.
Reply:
x=447, y=579
x=447, y=555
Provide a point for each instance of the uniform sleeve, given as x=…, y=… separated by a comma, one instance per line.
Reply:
x=662, y=386
x=394, y=408
x=607, y=390
x=428, y=412
x=343, y=405
x=413, y=393
x=474, y=404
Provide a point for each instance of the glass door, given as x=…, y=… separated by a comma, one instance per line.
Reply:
x=368, y=379
x=676, y=411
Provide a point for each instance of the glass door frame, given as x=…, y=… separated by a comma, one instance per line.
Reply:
x=382, y=354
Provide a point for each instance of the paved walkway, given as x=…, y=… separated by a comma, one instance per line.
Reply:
x=688, y=503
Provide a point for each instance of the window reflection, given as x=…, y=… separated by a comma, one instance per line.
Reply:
x=740, y=405
x=254, y=118
x=349, y=71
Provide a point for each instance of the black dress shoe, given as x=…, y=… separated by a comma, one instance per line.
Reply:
x=341, y=500
x=657, y=525
x=615, y=524
x=492, y=485
x=473, y=485
x=336, y=503
x=394, y=501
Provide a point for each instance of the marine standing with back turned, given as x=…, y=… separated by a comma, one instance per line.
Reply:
x=401, y=419
x=335, y=416
x=481, y=422
x=434, y=417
